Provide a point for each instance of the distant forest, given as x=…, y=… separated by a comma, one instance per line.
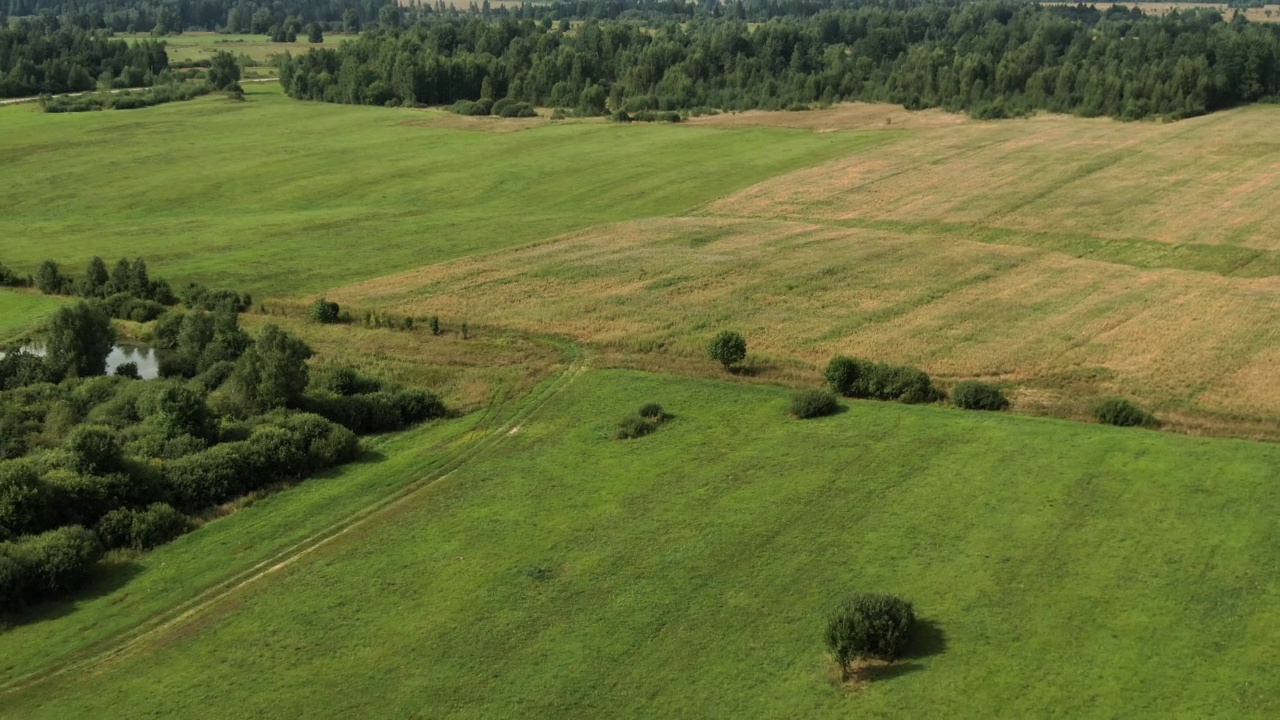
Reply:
x=52, y=57
x=993, y=59
x=174, y=16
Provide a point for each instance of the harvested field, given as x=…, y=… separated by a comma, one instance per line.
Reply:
x=1105, y=189
x=1198, y=348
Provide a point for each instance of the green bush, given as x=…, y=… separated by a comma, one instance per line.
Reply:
x=1123, y=413
x=344, y=381
x=813, y=403
x=94, y=449
x=854, y=377
x=631, y=427
x=652, y=412
x=974, y=395
x=868, y=625
x=324, y=312
x=45, y=566
x=728, y=348
x=128, y=370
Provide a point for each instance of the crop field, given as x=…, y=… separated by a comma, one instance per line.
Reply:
x=1267, y=13
x=567, y=574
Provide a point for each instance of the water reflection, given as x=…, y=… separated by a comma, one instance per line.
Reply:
x=144, y=357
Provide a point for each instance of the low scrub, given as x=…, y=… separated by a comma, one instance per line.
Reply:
x=974, y=395
x=868, y=625
x=813, y=403
x=644, y=422
x=141, y=529
x=1123, y=413
x=858, y=378
x=45, y=566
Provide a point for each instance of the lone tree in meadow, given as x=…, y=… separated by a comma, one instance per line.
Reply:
x=728, y=348
x=224, y=71
x=867, y=625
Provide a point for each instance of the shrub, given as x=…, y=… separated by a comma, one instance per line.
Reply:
x=728, y=348
x=128, y=370
x=854, y=377
x=46, y=566
x=652, y=412
x=869, y=625
x=631, y=427
x=323, y=311
x=24, y=500
x=344, y=381
x=813, y=403
x=1123, y=413
x=974, y=395
x=94, y=449
x=844, y=374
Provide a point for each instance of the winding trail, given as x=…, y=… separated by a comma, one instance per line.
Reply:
x=499, y=428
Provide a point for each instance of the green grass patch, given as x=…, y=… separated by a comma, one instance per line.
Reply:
x=20, y=309
x=277, y=196
x=1061, y=568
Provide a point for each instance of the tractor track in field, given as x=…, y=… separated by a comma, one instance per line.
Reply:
x=498, y=430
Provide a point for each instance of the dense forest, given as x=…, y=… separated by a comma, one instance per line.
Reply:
x=174, y=16
x=49, y=56
x=91, y=463
x=992, y=58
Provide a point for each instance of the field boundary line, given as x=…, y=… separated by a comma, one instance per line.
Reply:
x=122, y=643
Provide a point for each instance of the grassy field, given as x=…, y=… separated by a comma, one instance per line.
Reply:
x=1062, y=569
x=19, y=310
x=202, y=45
x=316, y=195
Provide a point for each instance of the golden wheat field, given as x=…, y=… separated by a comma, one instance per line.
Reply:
x=1067, y=259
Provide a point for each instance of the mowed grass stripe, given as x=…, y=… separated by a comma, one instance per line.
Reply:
x=278, y=197
x=1093, y=571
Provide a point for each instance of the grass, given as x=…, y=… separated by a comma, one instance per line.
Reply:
x=317, y=194
x=20, y=309
x=202, y=45
x=1062, y=568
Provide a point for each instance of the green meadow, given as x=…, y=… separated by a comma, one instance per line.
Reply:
x=19, y=310
x=280, y=197
x=1059, y=569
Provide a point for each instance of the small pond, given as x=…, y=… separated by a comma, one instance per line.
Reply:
x=145, y=358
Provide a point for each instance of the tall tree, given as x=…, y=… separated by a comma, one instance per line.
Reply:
x=80, y=338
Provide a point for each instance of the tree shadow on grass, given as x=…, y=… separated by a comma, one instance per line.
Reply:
x=107, y=578
x=928, y=639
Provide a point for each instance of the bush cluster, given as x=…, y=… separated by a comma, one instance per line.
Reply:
x=45, y=566
x=376, y=412
x=813, y=403
x=322, y=311
x=644, y=422
x=9, y=278
x=506, y=107
x=974, y=395
x=857, y=378
x=291, y=448
x=670, y=116
x=1123, y=413
x=141, y=529
x=199, y=297
x=868, y=625
x=158, y=95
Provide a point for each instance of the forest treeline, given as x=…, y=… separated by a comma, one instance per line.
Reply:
x=992, y=58
x=174, y=16
x=51, y=56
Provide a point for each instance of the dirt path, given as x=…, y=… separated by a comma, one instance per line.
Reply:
x=499, y=429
